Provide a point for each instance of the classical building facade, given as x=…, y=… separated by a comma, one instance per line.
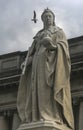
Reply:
x=10, y=71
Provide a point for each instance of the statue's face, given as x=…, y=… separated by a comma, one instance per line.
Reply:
x=48, y=18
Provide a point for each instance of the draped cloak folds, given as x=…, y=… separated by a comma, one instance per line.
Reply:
x=46, y=83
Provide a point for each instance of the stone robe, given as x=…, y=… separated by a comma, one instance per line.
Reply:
x=44, y=89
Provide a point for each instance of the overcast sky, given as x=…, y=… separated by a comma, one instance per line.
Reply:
x=17, y=30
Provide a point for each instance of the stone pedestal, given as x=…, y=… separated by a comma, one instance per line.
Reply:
x=42, y=125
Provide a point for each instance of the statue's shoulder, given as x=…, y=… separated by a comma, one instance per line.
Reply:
x=61, y=34
x=55, y=29
x=38, y=33
x=60, y=31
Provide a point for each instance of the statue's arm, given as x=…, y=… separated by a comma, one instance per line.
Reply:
x=29, y=56
x=31, y=52
x=32, y=49
x=61, y=39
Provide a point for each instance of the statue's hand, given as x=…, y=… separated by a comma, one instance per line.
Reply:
x=48, y=43
x=28, y=63
x=22, y=65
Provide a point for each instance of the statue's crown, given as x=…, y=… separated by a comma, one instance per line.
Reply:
x=45, y=11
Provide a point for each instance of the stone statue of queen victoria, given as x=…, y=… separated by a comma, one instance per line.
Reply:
x=44, y=89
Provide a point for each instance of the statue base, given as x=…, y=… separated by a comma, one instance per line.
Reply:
x=42, y=125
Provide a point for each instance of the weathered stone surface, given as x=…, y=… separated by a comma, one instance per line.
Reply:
x=44, y=89
x=42, y=125
x=6, y=99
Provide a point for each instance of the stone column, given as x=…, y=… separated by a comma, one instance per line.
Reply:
x=4, y=123
x=81, y=116
x=16, y=121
